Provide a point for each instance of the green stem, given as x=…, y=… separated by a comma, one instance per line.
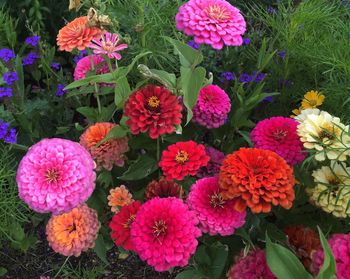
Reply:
x=158, y=149
x=96, y=89
x=61, y=268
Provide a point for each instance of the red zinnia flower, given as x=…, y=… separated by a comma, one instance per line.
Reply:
x=121, y=223
x=258, y=179
x=153, y=108
x=163, y=189
x=183, y=158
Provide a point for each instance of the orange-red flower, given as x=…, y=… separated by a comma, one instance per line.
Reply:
x=73, y=232
x=119, y=197
x=108, y=153
x=258, y=179
x=76, y=34
x=163, y=189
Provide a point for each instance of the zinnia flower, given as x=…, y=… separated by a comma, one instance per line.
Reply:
x=216, y=216
x=108, y=44
x=340, y=245
x=213, y=22
x=76, y=34
x=279, y=134
x=213, y=166
x=303, y=113
x=84, y=66
x=153, y=108
x=258, y=179
x=304, y=241
x=312, y=99
x=109, y=153
x=121, y=224
x=163, y=189
x=331, y=191
x=183, y=158
x=212, y=107
x=73, y=232
x=119, y=197
x=164, y=233
x=252, y=266
x=326, y=134
x=55, y=176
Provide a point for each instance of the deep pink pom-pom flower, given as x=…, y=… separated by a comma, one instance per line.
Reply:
x=213, y=22
x=164, y=233
x=340, y=245
x=55, y=176
x=252, y=266
x=216, y=216
x=215, y=161
x=84, y=66
x=279, y=134
x=212, y=107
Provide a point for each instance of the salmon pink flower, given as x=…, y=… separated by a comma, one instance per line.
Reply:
x=108, y=44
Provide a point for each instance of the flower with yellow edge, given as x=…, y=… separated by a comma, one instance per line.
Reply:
x=312, y=99
x=119, y=197
x=331, y=192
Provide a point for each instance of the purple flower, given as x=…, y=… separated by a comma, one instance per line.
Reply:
x=246, y=41
x=30, y=58
x=246, y=78
x=227, y=76
x=5, y=92
x=259, y=77
x=271, y=10
x=11, y=136
x=282, y=54
x=268, y=99
x=193, y=44
x=55, y=66
x=33, y=40
x=60, y=91
x=213, y=166
x=10, y=77
x=4, y=127
x=7, y=54
x=81, y=54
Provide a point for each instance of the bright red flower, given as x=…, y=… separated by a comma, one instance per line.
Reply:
x=163, y=189
x=153, y=108
x=183, y=158
x=121, y=223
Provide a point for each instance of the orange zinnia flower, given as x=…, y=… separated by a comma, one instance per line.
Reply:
x=76, y=34
x=258, y=179
x=119, y=197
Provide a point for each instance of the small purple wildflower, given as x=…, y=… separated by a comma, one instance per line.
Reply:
x=4, y=127
x=268, y=99
x=30, y=58
x=271, y=10
x=81, y=54
x=5, y=92
x=228, y=76
x=10, y=77
x=7, y=54
x=246, y=41
x=259, y=77
x=282, y=54
x=193, y=44
x=33, y=40
x=11, y=136
x=60, y=91
x=246, y=78
x=55, y=66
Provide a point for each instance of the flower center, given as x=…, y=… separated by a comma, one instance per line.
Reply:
x=128, y=223
x=329, y=131
x=216, y=200
x=52, y=175
x=279, y=134
x=217, y=12
x=108, y=46
x=153, y=102
x=182, y=157
x=159, y=228
x=71, y=228
x=312, y=103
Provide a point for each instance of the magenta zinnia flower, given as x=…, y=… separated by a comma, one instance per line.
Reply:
x=212, y=107
x=215, y=161
x=340, y=245
x=108, y=44
x=55, y=176
x=216, y=216
x=164, y=233
x=252, y=266
x=84, y=66
x=279, y=134
x=213, y=22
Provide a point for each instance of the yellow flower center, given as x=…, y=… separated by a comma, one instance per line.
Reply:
x=52, y=176
x=153, y=102
x=279, y=134
x=182, y=157
x=329, y=132
x=128, y=223
x=159, y=228
x=217, y=12
x=216, y=200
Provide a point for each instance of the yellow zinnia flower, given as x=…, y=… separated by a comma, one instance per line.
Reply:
x=312, y=99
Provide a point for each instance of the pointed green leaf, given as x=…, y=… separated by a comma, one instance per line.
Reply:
x=121, y=92
x=100, y=249
x=143, y=167
x=115, y=132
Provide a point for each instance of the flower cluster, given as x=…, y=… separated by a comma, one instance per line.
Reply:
x=7, y=54
x=312, y=100
x=7, y=134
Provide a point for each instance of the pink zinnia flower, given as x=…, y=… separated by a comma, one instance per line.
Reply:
x=215, y=161
x=216, y=216
x=164, y=233
x=252, y=266
x=279, y=134
x=212, y=107
x=340, y=245
x=55, y=176
x=213, y=22
x=84, y=65
x=108, y=44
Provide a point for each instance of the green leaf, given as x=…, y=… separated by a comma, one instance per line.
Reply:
x=283, y=263
x=17, y=231
x=165, y=78
x=191, y=83
x=189, y=273
x=201, y=257
x=121, y=92
x=115, y=132
x=100, y=249
x=143, y=167
x=90, y=113
x=107, y=78
x=107, y=113
x=189, y=57
x=3, y=271
x=328, y=269
x=218, y=254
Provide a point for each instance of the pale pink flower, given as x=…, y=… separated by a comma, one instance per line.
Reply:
x=108, y=44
